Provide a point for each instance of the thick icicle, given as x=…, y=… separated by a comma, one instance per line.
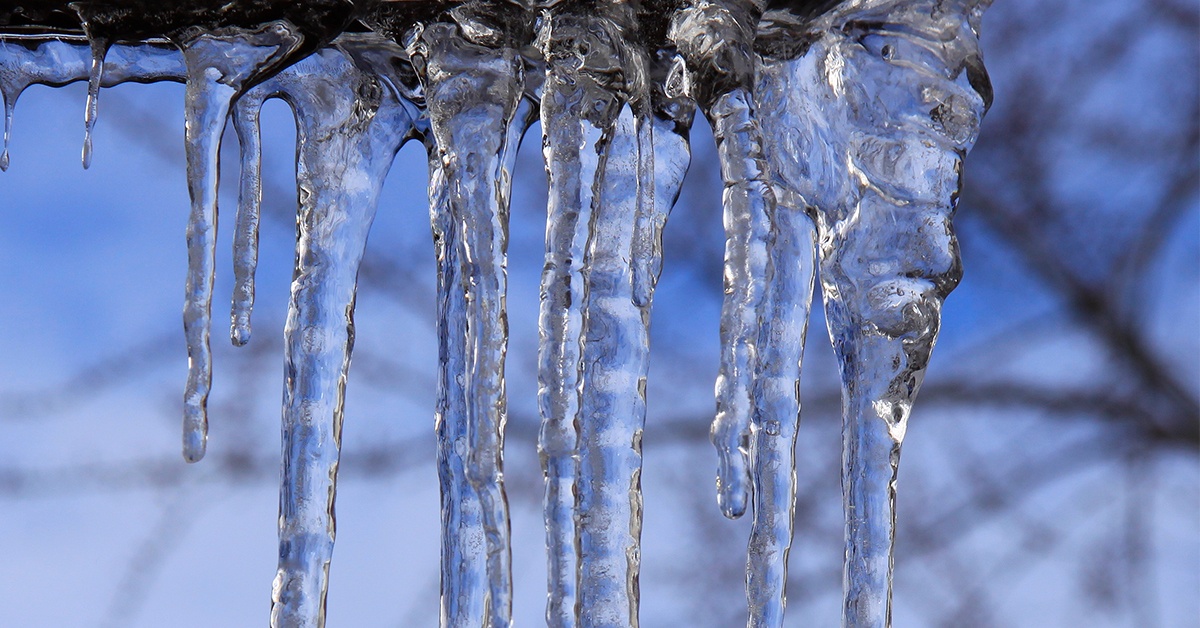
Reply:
x=578, y=112
x=474, y=86
x=615, y=359
x=879, y=110
x=715, y=40
x=219, y=63
x=245, y=237
x=349, y=131
x=600, y=158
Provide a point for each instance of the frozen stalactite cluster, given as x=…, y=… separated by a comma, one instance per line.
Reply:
x=841, y=128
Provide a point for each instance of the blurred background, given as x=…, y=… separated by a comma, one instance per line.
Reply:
x=1051, y=474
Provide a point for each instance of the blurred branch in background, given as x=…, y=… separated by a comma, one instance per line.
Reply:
x=1051, y=476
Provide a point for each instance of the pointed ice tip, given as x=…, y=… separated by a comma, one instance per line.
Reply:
x=194, y=446
x=239, y=334
x=732, y=503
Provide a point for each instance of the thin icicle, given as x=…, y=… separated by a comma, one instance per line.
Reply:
x=464, y=565
x=473, y=92
x=878, y=112
x=714, y=39
x=218, y=64
x=10, y=103
x=99, y=46
x=777, y=412
x=349, y=131
x=245, y=237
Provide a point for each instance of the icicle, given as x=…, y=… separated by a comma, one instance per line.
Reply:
x=349, y=131
x=884, y=179
x=577, y=118
x=600, y=158
x=714, y=39
x=99, y=46
x=10, y=103
x=245, y=238
x=473, y=92
x=615, y=358
x=218, y=63
x=464, y=546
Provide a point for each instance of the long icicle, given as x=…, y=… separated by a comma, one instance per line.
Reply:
x=464, y=565
x=714, y=38
x=218, y=63
x=577, y=116
x=245, y=236
x=777, y=414
x=473, y=94
x=349, y=130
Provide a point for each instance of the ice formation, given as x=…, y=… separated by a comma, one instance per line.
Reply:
x=841, y=128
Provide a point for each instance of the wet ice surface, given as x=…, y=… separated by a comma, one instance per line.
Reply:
x=840, y=135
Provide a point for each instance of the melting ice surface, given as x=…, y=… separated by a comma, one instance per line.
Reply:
x=841, y=128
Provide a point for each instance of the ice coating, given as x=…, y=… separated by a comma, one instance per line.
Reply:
x=56, y=61
x=219, y=64
x=349, y=130
x=245, y=236
x=473, y=92
x=874, y=120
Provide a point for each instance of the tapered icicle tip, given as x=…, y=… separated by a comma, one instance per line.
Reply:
x=239, y=331
x=195, y=437
x=733, y=486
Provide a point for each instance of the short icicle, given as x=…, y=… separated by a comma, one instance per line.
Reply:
x=218, y=64
x=474, y=89
x=245, y=237
x=99, y=47
x=878, y=174
x=10, y=104
x=349, y=130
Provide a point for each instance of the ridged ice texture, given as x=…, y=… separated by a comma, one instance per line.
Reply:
x=875, y=118
x=219, y=63
x=29, y=60
x=473, y=94
x=715, y=39
x=349, y=129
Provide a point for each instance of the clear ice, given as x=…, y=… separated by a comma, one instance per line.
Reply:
x=841, y=128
